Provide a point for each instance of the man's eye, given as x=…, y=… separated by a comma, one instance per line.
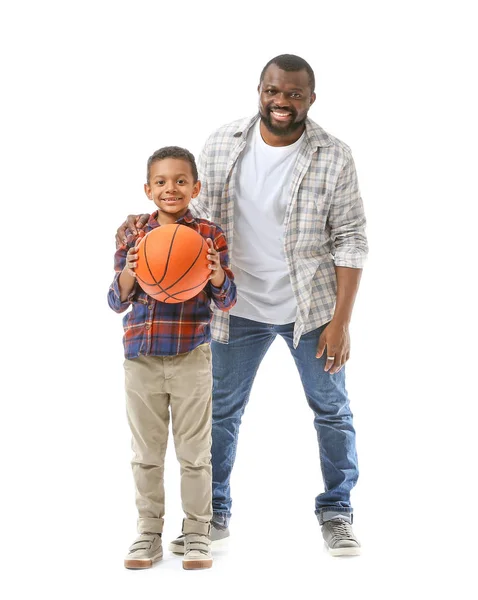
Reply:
x=295, y=95
x=270, y=92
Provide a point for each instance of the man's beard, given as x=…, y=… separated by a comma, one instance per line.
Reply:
x=292, y=127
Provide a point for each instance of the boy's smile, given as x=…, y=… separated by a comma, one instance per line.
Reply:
x=171, y=186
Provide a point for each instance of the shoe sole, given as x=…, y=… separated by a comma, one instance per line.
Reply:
x=179, y=548
x=197, y=564
x=344, y=551
x=137, y=564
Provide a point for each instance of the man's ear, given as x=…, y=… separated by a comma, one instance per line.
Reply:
x=312, y=98
x=196, y=189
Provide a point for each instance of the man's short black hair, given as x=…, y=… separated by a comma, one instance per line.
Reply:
x=173, y=152
x=291, y=62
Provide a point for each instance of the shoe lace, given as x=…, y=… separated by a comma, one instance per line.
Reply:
x=342, y=529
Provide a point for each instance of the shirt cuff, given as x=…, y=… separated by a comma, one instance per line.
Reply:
x=116, y=291
x=352, y=259
x=221, y=292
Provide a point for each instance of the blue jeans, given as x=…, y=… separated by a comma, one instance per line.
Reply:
x=234, y=368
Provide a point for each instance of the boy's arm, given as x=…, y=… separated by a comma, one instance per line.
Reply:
x=123, y=287
x=224, y=297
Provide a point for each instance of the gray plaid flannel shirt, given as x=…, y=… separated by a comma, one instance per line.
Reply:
x=324, y=222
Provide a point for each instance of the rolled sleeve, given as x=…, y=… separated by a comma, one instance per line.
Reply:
x=114, y=296
x=225, y=296
x=347, y=221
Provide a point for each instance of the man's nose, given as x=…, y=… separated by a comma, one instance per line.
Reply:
x=281, y=99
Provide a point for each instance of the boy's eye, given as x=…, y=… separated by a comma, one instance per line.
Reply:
x=181, y=181
x=160, y=182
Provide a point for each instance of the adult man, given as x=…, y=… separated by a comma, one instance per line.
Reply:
x=286, y=194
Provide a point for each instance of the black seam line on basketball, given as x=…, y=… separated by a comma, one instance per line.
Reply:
x=182, y=291
x=186, y=272
x=167, y=260
x=164, y=290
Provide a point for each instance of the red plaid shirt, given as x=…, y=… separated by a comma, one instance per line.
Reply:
x=163, y=329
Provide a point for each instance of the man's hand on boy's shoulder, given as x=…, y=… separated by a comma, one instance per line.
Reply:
x=134, y=223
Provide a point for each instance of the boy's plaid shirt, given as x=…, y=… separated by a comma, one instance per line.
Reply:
x=324, y=222
x=162, y=329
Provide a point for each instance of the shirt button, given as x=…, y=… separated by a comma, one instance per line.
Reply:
x=150, y=307
x=147, y=326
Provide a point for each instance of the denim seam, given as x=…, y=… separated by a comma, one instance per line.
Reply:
x=234, y=448
x=342, y=509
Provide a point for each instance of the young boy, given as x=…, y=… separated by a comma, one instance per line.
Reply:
x=168, y=368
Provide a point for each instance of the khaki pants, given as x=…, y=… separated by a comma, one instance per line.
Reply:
x=154, y=386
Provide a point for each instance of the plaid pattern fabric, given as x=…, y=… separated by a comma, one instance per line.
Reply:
x=324, y=223
x=161, y=329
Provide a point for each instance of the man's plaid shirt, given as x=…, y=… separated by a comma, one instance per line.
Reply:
x=159, y=328
x=324, y=222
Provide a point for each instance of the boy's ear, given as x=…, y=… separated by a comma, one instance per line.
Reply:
x=147, y=191
x=196, y=189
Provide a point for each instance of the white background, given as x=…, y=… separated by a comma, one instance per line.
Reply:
x=90, y=90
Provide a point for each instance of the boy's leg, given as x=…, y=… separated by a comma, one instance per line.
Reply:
x=189, y=382
x=147, y=408
x=190, y=387
x=327, y=397
x=234, y=368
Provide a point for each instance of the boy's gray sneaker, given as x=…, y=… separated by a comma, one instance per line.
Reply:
x=217, y=533
x=197, y=553
x=144, y=551
x=340, y=538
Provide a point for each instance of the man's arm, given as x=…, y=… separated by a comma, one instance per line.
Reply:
x=134, y=223
x=199, y=206
x=335, y=336
x=349, y=247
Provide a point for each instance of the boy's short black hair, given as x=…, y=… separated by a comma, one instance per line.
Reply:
x=291, y=62
x=173, y=152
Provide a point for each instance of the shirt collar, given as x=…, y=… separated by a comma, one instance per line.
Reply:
x=186, y=218
x=315, y=135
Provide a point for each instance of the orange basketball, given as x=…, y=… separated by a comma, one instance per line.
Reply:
x=172, y=263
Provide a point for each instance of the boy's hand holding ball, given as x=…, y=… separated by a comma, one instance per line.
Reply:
x=217, y=276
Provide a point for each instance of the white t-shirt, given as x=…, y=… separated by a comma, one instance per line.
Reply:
x=264, y=291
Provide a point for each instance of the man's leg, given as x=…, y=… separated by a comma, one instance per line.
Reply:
x=327, y=397
x=234, y=368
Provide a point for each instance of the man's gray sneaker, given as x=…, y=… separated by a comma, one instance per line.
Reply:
x=144, y=551
x=217, y=533
x=340, y=538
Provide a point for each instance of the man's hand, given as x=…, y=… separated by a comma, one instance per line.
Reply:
x=217, y=276
x=336, y=339
x=133, y=222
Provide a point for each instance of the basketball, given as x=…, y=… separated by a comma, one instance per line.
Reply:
x=172, y=263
